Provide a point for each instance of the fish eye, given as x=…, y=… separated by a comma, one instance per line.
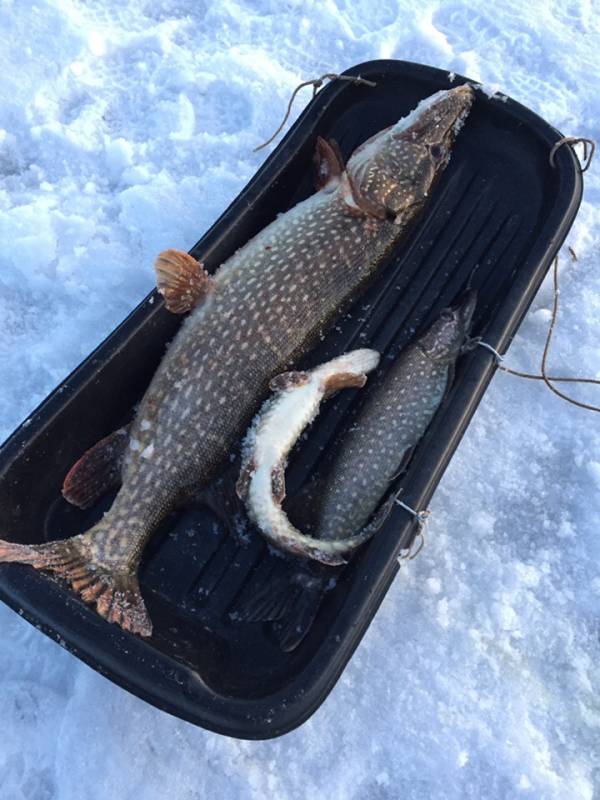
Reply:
x=447, y=313
x=436, y=151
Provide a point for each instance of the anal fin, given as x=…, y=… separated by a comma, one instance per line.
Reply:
x=97, y=471
x=181, y=280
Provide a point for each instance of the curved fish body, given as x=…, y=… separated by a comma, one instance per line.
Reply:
x=273, y=433
x=393, y=418
x=253, y=318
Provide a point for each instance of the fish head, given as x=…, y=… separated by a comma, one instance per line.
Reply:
x=395, y=170
x=444, y=339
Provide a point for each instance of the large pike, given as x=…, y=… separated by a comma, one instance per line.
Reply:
x=394, y=417
x=254, y=318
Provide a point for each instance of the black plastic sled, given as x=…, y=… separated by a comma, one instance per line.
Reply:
x=497, y=218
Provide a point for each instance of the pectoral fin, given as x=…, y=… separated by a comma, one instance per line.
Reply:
x=97, y=471
x=181, y=280
x=344, y=380
x=328, y=163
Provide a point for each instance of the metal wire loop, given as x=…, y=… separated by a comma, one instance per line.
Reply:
x=421, y=516
x=573, y=140
x=493, y=351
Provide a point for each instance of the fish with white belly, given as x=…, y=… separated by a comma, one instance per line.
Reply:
x=272, y=435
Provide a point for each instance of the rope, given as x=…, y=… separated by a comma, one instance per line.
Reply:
x=543, y=376
x=422, y=516
x=316, y=83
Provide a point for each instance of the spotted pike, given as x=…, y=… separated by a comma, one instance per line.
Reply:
x=251, y=320
x=394, y=417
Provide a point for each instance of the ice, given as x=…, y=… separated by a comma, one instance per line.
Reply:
x=126, y=128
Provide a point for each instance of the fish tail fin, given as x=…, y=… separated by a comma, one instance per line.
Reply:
x=290, y=602
x=292, y=626
x=265, y=604
x=116, y=594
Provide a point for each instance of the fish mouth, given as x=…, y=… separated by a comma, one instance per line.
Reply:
x=436, y=121
x=444, y=339
x=462, y=311
x=461, y=97
x=465, y=90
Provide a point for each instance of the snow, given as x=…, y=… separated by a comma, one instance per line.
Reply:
x=128, y=127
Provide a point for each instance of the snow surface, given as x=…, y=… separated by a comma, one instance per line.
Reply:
x=127, y=127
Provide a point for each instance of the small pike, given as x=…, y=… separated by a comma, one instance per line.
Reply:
x=261, y=311
x=394, y=417
x=275, y=430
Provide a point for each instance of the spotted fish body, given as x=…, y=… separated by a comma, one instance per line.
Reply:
x=264, y=308
x=393, y=418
